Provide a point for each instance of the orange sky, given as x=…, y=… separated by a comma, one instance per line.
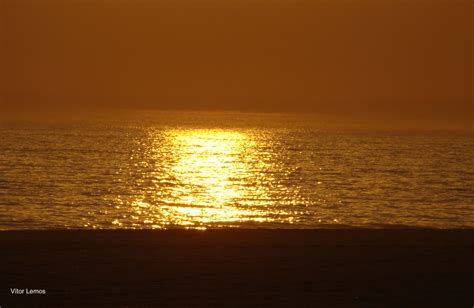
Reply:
x=338, y=56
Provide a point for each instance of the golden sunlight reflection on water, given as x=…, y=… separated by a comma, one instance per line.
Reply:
x=207, y=160
x=204, y=177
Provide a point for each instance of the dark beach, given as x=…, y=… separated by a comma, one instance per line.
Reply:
x=292, y=268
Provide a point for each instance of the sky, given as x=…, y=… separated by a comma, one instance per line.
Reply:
x=376, y=58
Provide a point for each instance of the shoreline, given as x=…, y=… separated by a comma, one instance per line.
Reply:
x=238, y=267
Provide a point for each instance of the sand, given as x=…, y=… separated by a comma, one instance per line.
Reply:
x=292, y=268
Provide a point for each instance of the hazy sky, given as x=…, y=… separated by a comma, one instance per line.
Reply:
x=338, y=56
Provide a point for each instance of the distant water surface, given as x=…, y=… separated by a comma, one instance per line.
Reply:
x=213, y=170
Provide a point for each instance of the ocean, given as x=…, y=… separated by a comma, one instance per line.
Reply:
x=163, y=170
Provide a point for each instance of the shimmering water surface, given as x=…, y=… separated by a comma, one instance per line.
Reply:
x=207, y=170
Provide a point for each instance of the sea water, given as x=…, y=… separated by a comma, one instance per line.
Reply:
x=219, y=170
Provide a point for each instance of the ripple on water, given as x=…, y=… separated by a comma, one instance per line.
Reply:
x=172, y=175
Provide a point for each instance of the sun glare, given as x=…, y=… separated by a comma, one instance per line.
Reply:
x=207, y=161
x=205, y=180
